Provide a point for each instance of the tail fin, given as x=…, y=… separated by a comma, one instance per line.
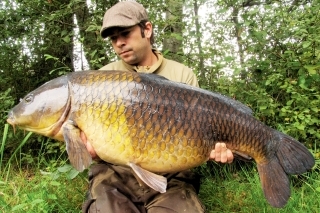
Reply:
x=294, y=157
x=275, y=183
x=291, y=157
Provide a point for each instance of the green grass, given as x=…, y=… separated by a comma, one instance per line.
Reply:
x=38, y=183
x=31, y=191
x=42, y=182
x=239, y=190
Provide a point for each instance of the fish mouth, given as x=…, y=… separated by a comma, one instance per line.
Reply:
x=11, y=121
x=51, y=131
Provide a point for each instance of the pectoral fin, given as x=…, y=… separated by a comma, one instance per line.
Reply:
x=154, y=181
x=242, y=156
x=78, y=154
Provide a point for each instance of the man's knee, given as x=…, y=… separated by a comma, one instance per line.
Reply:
x=176, y=199
x=112, y=189
x=109, y=201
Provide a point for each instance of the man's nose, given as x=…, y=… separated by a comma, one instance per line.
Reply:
x=120, y=41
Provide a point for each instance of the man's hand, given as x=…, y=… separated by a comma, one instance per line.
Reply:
x=221, y=153
x=88, y=145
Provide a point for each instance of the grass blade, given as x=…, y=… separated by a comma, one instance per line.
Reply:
x=4, y=139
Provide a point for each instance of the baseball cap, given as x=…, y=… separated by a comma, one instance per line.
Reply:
x=123, y=14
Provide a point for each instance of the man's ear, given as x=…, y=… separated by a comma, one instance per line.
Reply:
x=148, y=30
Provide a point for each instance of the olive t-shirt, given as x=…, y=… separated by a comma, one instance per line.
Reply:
x=169, y=69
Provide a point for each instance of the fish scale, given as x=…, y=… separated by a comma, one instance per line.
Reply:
x=154, y=125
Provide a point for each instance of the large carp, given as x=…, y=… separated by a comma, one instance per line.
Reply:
x=154, y=125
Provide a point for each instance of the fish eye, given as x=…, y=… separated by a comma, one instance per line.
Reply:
x=28, y=99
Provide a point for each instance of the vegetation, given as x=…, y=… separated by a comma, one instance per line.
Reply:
x=237, y=189
x=264, y=53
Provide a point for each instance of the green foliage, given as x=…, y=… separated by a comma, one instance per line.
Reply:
x=237, y=188
x=276, y=68
x=6, y=102
x=41, y=184
x=32, y=191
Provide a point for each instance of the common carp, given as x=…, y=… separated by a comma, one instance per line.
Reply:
x=154, y=125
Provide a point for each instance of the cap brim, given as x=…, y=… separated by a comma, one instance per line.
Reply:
x=105, y=32
x=116, y=22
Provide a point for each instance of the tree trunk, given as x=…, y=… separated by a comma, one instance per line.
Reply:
x=89, y=29
x=172, y=43
x=200, y=70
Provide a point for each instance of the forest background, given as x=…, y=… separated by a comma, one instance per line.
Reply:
x=264, y=53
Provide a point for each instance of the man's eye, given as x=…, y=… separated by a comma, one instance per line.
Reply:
x=113, y=38
x=125, y=33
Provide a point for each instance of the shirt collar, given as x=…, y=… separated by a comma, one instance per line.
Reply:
x=146, y=69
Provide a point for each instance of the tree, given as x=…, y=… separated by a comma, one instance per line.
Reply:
x=172, y=42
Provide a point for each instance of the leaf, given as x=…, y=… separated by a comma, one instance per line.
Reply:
x=228, y=58
x=65, y=168
x=223, y=10
x=289, y=102
x=66, y=39
x=300, y=126
x=312, y=69
x=72, y=174
x=289, y=52
x=52, y=196
x=45, y=173
x=166, y=52
x=47, y=56
x=263, y=107
x=92, y=28
x=37, y=201
x=92, y=54
x=18, y=207
x=55, y=175
x=302, y=82
x=177, y=36
x=306, y=44
x=64, y=32
x=55, y=183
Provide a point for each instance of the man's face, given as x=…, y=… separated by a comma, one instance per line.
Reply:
x=129, y=44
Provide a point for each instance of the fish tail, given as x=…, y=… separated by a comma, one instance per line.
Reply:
x=275, y=183
x=291, y=157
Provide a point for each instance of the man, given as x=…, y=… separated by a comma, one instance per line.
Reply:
x=114, y=188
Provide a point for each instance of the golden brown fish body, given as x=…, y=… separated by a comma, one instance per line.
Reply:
x=149, y=123
x=160, y=127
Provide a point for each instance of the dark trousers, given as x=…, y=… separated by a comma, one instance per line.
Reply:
x=114, y=189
